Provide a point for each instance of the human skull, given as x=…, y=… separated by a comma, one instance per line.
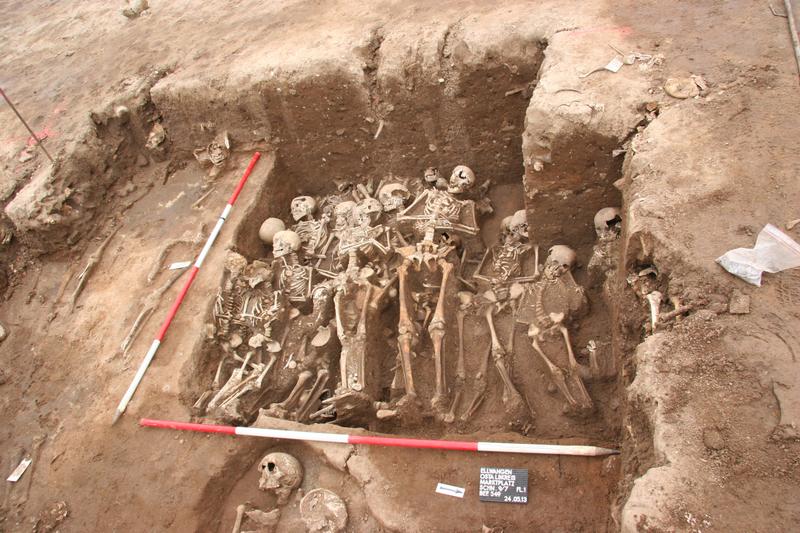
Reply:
x=285, y=242
x=323, y=511
x=518, y=225
x=393, y=196
x=342, y=214
x=505, y=223
x=607, y=223
x=235, y=263
x=280, y=474
x=303, y=206
x=461, y=180
x=433, y=178
x=269, y=228
x=367, y=212
x=560, y=259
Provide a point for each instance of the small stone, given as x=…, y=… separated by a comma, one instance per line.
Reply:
x=681, y=88
x=739, y=304
x=3, y=333
x=26, y=155
x=713, y=439
x=135, y=9
x=432, y=147
x=340, y=132
x=69, y=53
x=718, y=307
x=122, y=113
x=610, y=465
x=141, y=160
x=157, y=136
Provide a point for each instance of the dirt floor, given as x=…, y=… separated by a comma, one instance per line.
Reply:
x=704, y=410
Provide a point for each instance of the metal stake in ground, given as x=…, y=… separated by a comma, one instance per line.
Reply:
x=123, y=404
x=374, y=440
x=793, y=31
x=14, y=109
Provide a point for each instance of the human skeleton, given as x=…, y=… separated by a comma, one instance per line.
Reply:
x=433, y=214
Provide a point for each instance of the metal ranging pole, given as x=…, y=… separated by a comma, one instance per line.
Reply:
x=14, y=109
x=376, y=440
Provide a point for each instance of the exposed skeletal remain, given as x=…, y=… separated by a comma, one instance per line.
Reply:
x=499, y=275
x=647, y=284
x=88, y=270
x=323, y=283
x=433, y=212
x=607, y=226
x=466, y=304
x=654, y=300
x=149, y=304
x=547, y=307
x=281, y=474
x=193, y=241
x=314, y=234
x=295, y=279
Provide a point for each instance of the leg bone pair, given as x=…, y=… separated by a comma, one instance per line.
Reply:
x=406, y=332
x=511, y=397
x=437, y=333
x=558, y=375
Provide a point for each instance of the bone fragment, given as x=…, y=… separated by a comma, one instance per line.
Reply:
x=94, y=259
x=654, y=299
x=237, y=525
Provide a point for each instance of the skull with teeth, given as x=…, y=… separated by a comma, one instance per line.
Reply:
x=285, y=242
x=393, y=196
x=343, y=214
x=560, y=260
x=433, y=178
x=367, y=212
x=461, y=180
x=280, y=474
x=607, y=223
x=518, y=224
x=303, y=206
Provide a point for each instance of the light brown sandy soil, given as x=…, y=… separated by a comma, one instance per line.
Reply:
x=712, y=405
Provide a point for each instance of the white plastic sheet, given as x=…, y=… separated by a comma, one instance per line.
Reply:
x=774, y=251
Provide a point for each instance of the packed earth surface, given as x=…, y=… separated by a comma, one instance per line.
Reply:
x=678, y=115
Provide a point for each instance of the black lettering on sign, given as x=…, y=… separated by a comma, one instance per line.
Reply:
x=503, y=485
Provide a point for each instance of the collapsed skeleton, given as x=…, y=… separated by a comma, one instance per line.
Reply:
x=547, y=307
x=500, y=275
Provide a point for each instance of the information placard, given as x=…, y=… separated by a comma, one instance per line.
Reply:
x=503, y=485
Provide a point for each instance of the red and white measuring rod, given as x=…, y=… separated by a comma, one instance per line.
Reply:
x=123, y=404
x=341, y=438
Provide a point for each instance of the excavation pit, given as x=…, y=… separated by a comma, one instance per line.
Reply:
x=336, y=138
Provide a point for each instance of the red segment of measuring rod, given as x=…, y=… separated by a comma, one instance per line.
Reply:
x=203, y=428
x=413, y=443
x=246, y=175
x=174, y=309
